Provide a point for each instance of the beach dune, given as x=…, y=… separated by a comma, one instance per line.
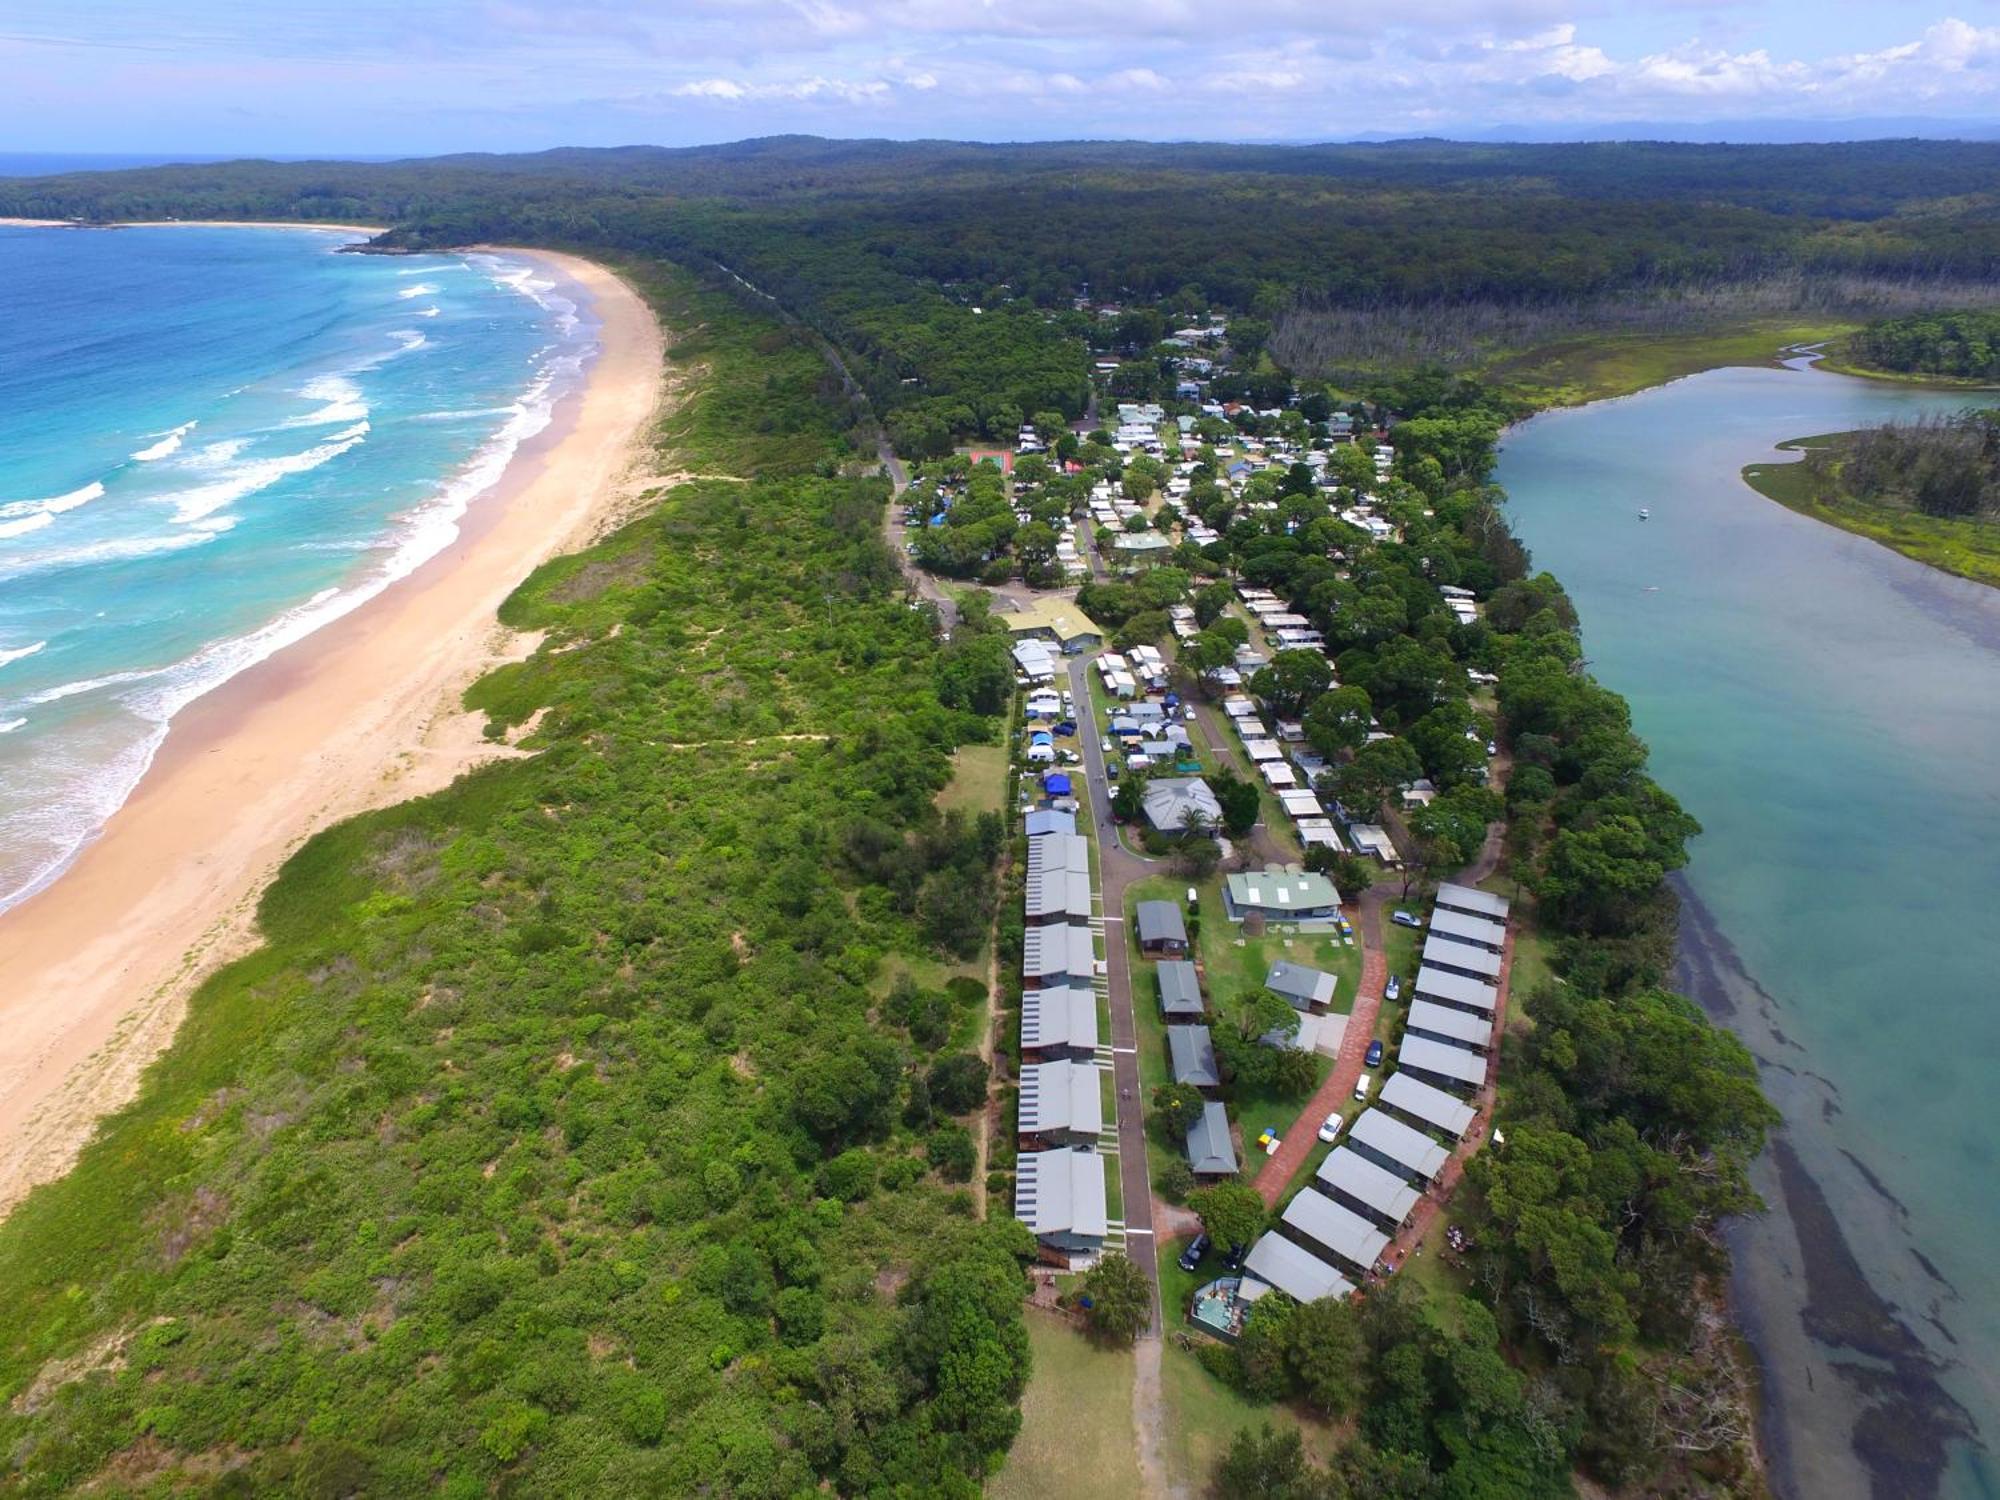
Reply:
x=96, y=971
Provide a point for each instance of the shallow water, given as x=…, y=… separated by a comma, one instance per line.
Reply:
x=1831, y=713
x=213, y=441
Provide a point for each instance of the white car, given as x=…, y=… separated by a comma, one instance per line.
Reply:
x=1331, y=1127
x=1361, y=1086
x=1106, y=746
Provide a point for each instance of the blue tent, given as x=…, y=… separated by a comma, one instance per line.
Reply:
x=1056, y=784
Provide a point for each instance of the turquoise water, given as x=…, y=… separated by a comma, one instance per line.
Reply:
x=213, y=441
x=1831, y=713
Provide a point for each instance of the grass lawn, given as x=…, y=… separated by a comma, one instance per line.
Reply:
x=978, y=780
x=1442, y=1285
x=1233, y=963
x=1251, y=1109
x=1202, y=1414
x=1968, y=547
x=1270, y=811
x=1076, y=1421
x=1574, y=371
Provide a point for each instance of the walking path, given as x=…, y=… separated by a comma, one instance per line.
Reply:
x=1299, y=1141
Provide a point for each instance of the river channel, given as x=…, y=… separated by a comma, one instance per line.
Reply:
x=1830, y=711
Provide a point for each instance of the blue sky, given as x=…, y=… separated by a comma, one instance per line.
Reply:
x=386, y=76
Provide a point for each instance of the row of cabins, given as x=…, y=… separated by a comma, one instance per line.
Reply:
x=1450, y=1028
x=1059, y=1183
x=1335, y=1231
x=1163, y=935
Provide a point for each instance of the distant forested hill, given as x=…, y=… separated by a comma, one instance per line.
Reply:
x=886, y=247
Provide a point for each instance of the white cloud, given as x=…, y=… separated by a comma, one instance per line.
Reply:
x=734, y=91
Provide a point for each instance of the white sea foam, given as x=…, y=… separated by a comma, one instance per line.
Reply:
x=26, y=524
x=342, y=397
x=10, y=725
x=83, y=685
x=20, y=653
x=123, y=550
x=169, y=442
x=421, y=289
x=537, y=289
x=429, y=312
x=54, y=505
x=155, y=696
x=256, y=474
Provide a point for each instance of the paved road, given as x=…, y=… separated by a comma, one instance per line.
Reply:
x=1337, y=1092
x=1118, y=868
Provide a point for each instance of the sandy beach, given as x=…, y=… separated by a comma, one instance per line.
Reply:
x=96, y=971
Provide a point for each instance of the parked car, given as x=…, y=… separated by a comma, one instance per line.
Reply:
x=1233, y=1261
x=1106, y=746
x=1394, y=990
x=1067, y=726
x=1361, y=1086
x=1197, y=1248
x=1404, y=919
x=1330, y=1127
x=1374, y=1057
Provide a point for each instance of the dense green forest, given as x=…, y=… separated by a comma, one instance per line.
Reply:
x=568, y=1137
x=1943, y=466
x=1962, y=345
x=887, y=247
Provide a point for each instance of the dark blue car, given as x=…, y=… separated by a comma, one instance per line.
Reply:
x=1374, y=1059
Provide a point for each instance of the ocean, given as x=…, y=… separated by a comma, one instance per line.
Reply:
x=1830, y=711
x=212, y=442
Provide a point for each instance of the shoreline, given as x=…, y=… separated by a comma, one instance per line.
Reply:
x=359, y=714
x=1966, y=547
x=367, y=229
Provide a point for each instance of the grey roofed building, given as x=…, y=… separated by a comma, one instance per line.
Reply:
x=1060, y=1019
x=1280, y=893
x=1294, y=1270
x=1461, y=958
x=1161, y=927
x=1061, y=1098
x=1209, y=1149
x=1061, y=894
x=1302, y=987
x=1379, y=1191
x=1059, y=1195
x=1441, y=1062
x=1347, y=1173
x=1180, y=989
x=1342, y=1231
x=1461, y=990
x=1476, y=931
x=1394, y=1144
x=1064, y=951
x=1045, y=820
x=1447, y=1023
x=1433, y=1106
x=1472, y=902
x=1193, y=1055
x=1059, y=851
x=1170, y=799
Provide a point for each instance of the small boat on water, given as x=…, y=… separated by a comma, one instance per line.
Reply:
x=1645, y=514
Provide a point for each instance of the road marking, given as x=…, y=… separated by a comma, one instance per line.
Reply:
x=1116, y=1051
x=1109, y=919
x=1130, y=1232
